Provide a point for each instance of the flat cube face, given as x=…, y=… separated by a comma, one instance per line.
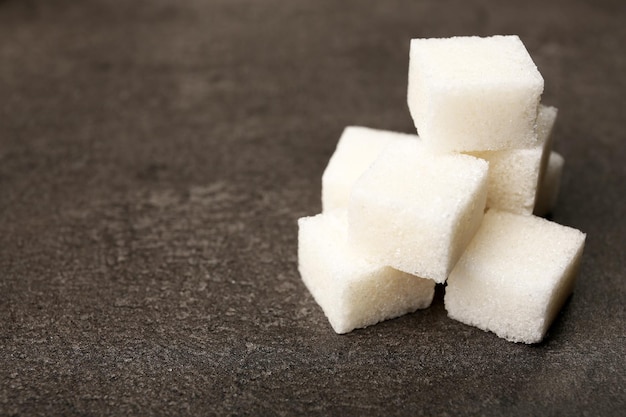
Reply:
x=514, y=276
x=386, y=294
x=352, y=291
x=415, y=210
x=472, y=59
x=472, y=94
x=388, y=233
x=513, y=178
x=357, y=149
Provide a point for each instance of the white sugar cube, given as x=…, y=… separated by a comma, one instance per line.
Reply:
x=549, y=189
x=514, y=174
x=513, y=177
x=514, y=276
x=352, y=291
x=357, y=148
x=415, y=210
x=474, y=94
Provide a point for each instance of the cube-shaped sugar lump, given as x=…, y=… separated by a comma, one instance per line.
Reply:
x=513, y=177
x=474, y=94
x=352, y=291
x=514, y=174
x=415, y=210
x=357, y=148
x=549, y=189
x=514, y=276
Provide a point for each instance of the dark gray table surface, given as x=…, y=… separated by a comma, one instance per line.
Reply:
x=154, y=159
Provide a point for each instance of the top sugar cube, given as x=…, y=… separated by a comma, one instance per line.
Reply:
x=474, y=94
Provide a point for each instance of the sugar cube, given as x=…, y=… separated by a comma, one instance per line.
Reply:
x=474, y=94
x=514, y=276
x=513, y=176
x=357, y=148
x=514, y=173
x=353, y=291
x=415, y=210
x=549, y=189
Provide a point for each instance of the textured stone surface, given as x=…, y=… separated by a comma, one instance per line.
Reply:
x=154, y=158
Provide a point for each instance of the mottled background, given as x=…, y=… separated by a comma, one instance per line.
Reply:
x=154, y=158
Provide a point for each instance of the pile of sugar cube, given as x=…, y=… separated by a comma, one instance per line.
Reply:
x=458, y=204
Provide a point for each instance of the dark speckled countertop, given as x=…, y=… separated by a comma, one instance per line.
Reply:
x=154, y=158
